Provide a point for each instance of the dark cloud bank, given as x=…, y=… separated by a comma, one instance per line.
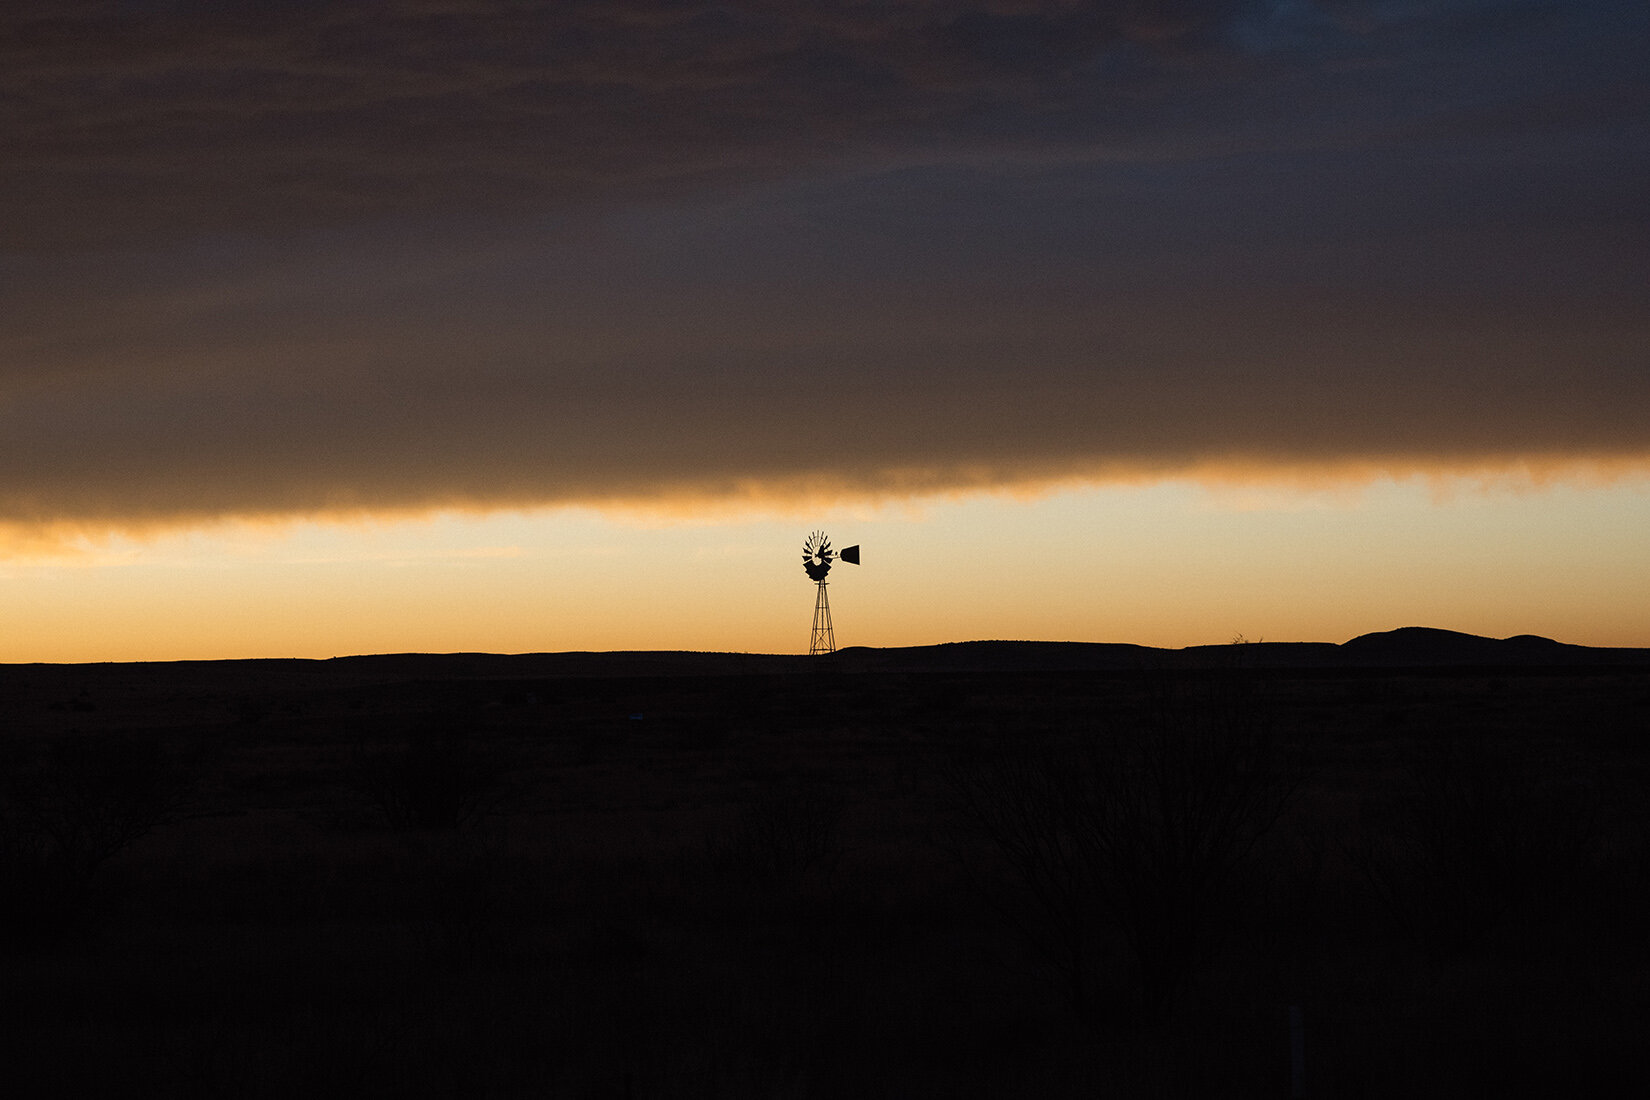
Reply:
x=287, y=257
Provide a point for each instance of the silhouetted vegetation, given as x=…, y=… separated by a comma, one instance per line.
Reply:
x=412, y=883
x=443, y=775
x=779, y=835
x=70, y=806
x=1482, y=839
x=1142, y=830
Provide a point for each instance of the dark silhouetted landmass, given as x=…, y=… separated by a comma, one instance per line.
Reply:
x=991, y=868
x=1405, y=648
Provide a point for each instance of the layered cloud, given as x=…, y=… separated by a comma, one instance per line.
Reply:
x=130, y=120
x=282, y=259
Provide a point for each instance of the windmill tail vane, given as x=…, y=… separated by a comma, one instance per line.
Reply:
x=817, y=557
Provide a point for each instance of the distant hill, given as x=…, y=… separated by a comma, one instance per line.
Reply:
x=1421, y=645
x=1407, y=647
x=1410, y=647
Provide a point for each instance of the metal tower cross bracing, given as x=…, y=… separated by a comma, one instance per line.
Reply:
x=823, y=638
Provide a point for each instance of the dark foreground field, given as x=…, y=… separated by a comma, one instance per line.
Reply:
x=989, y=870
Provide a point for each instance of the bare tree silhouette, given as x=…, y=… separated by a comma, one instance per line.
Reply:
x=444, y=774
x=1143, y=831
x=68, y=809
x=1481, y=839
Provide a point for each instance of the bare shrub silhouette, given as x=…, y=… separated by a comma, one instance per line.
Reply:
x=1481, y=840
x=468, y=896
x=1292, y=883
x=443, y=776
x=1142, y=833
x=780, y=835
x=1017, y=804
x=68, y=809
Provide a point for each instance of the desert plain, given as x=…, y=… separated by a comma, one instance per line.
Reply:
x=1415, y=864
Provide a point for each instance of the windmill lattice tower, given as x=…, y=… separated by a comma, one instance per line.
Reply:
x=817, y=556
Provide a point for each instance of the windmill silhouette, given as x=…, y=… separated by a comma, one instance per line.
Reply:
x=817, y=557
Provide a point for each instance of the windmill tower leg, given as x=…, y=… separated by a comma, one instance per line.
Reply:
x=823, y=638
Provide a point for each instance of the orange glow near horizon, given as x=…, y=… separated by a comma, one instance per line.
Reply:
x=1169, y=564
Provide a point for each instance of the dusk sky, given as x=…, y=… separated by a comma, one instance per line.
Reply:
x=445, y=325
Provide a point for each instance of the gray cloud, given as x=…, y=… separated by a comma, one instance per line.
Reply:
x=281, y=258
x=130, y=121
